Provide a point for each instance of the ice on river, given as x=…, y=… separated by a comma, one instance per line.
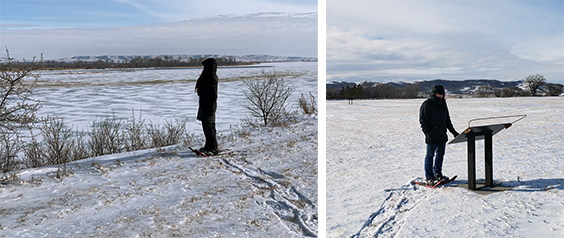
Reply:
x=376, y=147
x=82, y=96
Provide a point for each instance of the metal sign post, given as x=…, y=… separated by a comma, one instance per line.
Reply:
x=486, y=132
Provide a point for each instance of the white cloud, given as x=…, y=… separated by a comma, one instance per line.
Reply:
x=178, y=10
x=412, y=40
x=428, y=71
x=275, y=34
x=541, y=50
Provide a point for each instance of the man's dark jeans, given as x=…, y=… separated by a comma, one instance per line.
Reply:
x=437, y=151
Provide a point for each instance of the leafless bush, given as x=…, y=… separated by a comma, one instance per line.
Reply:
x=17, y=108
x=170, y=134
x=58, y=144
x=174, y=131
x=9, y=149
x=58, y=141
x=189, y=139
x=136, y=137
x=34, y=155
x=308, y=105
x=106, y=136
x=80, y=150
x=243, y=128
x=266, y=97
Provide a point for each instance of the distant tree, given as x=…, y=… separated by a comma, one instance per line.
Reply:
x=332, y=93
x=534, y=82
x=484, y=91
x=554, y=89
x=383, y=90
x=513, y=92
x=355, y=91
x=411, y=90
x=498, y=92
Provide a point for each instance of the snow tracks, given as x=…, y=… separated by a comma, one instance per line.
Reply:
x=279, y=167
x=388, y=220
x=283, y=199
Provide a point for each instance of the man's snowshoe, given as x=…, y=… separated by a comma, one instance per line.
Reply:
x=433, y=183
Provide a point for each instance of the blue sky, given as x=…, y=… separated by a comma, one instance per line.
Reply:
x=64, y=28
x=409, y=40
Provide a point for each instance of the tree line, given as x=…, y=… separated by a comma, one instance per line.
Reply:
x=371, y=90
x=533, y=85
x=136, y=62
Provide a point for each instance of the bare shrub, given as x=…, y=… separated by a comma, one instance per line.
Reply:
x=156, y=135
x=136, y=137
x=174, y=131
x=106, y=137
x=189, y=139
x=58, y=141
x=308, y=105
x=17, y=108
x=9, y=149
x=266, y=97
x=34, y=156
x=80, y=150
x=242, y=129
x=169, y=134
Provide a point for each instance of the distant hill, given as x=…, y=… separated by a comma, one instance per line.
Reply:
x=466, y=86
x=452, y=86
x=244, y=58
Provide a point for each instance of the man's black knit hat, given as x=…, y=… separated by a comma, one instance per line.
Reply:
x=439, y=89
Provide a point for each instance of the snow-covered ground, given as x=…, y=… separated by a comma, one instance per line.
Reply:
x=376, y=147
x=267, y=188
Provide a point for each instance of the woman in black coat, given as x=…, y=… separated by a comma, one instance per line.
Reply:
x=206, y=87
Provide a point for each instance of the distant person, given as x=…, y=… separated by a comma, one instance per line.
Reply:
x=435, y=120
x=206, y=87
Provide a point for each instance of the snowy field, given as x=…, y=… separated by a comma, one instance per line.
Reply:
x=82, y=96
x=268, y=188
x=376, y=147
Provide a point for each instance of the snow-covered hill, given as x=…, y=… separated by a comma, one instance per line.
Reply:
x=468, y=86
x=377, y=148
x=184, y=57
x=268, y=188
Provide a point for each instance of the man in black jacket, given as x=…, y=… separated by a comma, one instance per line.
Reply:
x=206, y=87
x=435, y=120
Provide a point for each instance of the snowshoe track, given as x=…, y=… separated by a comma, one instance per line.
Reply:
x=285, y=201
x=393, y=212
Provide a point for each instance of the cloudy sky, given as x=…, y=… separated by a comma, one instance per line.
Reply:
x=65, y=28
x=408, y=40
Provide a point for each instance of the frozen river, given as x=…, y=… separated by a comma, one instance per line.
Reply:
x=82, y=96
